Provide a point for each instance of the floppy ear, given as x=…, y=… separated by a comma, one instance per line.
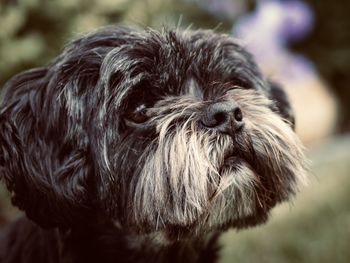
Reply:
x=46, y=169
x=282, y=104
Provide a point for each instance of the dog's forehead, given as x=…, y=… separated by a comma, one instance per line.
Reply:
x=203, y=58
x=176, y=63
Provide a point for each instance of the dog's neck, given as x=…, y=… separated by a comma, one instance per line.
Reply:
x=110, y=244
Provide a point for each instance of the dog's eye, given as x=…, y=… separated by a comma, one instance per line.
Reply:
x=139, y=115
x=240, y=82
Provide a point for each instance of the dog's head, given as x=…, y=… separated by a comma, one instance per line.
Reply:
x=174, y=131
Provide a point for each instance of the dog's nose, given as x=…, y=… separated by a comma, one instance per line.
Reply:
x=225, y=117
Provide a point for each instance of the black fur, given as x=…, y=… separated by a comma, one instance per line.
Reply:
x=55, y=121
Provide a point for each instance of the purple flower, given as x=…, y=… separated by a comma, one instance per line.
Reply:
x=298, y=20
x=267, y=31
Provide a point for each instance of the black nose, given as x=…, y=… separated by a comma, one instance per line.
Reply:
x=225, y=117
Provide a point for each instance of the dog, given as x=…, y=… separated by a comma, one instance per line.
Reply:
x=135, y=145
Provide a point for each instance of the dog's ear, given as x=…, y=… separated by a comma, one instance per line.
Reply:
x=46, y=170
x=282, y=104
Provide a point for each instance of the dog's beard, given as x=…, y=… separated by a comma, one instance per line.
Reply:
x=198, y=180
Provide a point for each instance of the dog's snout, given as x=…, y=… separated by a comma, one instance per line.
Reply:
x=225, y=117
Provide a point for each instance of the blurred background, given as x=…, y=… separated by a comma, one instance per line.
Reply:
x=305, y=45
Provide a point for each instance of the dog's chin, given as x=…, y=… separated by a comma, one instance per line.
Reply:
x=238, y=202
x=200, y=228
x=224, y=211
x=239, y=206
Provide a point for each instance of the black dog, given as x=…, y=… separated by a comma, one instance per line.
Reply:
x=140, y=146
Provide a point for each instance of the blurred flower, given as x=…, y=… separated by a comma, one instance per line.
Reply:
x=298, y=20
x=268, y=30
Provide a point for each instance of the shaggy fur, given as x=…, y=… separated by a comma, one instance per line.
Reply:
x=143, y=146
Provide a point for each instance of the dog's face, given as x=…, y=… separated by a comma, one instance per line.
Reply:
x=172, y=131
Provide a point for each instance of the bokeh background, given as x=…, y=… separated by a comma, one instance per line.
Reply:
x=305, y=45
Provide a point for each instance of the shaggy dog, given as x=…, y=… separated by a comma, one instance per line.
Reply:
x=142, y=146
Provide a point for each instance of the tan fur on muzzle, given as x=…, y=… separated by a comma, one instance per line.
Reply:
x=183, y=177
